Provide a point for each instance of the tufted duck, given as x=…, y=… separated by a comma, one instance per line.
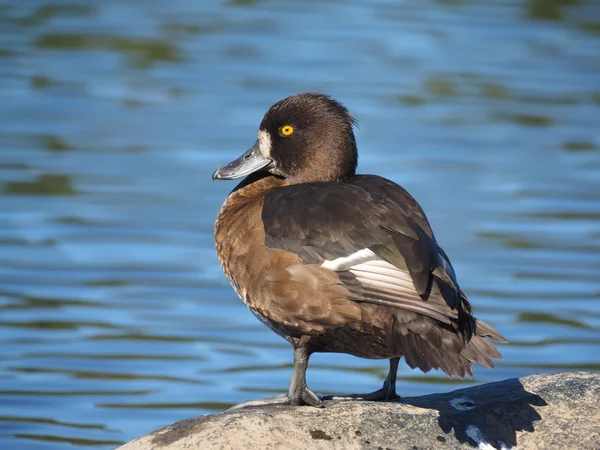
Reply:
x=338, y=262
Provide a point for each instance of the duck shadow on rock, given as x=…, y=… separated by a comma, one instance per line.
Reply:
x=490, y=414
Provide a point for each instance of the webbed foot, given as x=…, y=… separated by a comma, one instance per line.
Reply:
x=303, y=397
x=385, y=394
x=298, y=393
x=382, y=395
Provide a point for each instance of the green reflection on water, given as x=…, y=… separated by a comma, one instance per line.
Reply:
x=560, y=276
x=559, y=100
x=242, y=2
x=566, y=215
x=262, y=390
x=411, y=100
x=531, y=317
x=441, y=88
x=453, y=2
x=104, y=376
x=140, y=337
x=216, y=406
x=550, y=342
x=144, y=52
x=531, y=120
x=437, y=379
x=42, y=420
x=73, y=393
x=116, y=357
x=495, y=293
x=510, y=241
x=184, y=28
x=107, y=283
x=378, y=371
x=72, y=220
x=69, y=440
x=254, y=368
x=561, y=367
x=54, y=143
x=47, y=184
x=40, y=82
x=494, y=91
x=579, y=146
x=58, y=325
x=51, y=303
x=548, y=9
x=591, y=28
x=19, y=242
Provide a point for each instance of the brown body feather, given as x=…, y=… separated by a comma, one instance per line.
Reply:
x=272, y=240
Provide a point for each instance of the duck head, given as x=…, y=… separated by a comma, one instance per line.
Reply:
x=303, y=138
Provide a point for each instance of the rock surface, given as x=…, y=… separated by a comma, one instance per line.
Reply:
x=552, y=411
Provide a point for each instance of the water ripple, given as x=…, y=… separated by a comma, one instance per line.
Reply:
x=115, y=316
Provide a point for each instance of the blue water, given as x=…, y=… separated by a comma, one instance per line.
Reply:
x=115, y=317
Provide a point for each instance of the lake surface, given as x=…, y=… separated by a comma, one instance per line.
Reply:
x=115, y=316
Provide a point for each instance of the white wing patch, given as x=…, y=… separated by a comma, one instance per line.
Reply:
x=374, y=280
x=384, y=278
x=347, y=262
x=375, y=275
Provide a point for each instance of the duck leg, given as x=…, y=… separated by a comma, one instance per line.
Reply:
x=298, y=392
x=386, y=393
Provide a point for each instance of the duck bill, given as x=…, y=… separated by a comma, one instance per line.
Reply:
x=249, y=162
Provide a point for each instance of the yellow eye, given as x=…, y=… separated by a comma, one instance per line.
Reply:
x=286, y=130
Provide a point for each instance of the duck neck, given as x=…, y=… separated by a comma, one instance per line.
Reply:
x=257, y=184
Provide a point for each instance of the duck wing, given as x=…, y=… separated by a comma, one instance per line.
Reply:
x=376, y=238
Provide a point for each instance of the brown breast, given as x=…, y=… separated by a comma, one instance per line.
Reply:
x=291, y=297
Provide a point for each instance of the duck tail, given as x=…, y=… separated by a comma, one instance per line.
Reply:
x=480, y=348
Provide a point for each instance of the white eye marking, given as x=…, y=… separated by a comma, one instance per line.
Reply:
x=264, y=143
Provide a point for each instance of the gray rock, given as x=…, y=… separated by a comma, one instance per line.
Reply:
x=552, y=411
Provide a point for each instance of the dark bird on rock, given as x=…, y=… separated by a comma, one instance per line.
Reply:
x=338, y=262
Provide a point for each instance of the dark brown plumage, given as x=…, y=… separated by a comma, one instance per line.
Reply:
x=338, y=262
